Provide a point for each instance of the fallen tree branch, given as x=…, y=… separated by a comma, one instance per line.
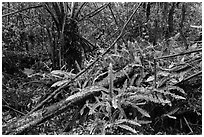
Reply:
x=179, y=54
x=33, y=118
x=18, y=126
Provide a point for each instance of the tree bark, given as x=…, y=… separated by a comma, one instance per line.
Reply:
x=183, y=13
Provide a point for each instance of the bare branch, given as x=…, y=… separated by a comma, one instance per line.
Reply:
x=94, y=12
x=179, y=54
x=32, y=7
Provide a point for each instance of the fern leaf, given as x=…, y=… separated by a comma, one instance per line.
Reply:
x=100, y=76
x=177, y=96
x=173, y=111
x=150, y=98
x=82, y=110
x=144, y=122
x=60, y=83
x=172, y=117
x=161, y=99
x=142, y=111
x=176, y=88
x=151, y=78
x=92, y=110
x=63, y=74
x=114, y=102
x=132, y=122
x=165, y=93
x=162, y=82
x=126, y=127
x=110, y=71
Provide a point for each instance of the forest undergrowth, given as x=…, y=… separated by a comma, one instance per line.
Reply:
x=71, y=68
x=129, y=91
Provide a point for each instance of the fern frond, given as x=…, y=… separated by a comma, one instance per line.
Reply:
x=86, y=92
x=144, y=122
x=127, y=121
x=142, y=111
x=150, y=98
x=110, y=72
x=176, y=88
x=165, y=92
x=62, y=74
x=126, y=127
x=60, y=83
x=161, y=96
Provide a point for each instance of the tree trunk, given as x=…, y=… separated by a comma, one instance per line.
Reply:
x=183, y=13
x=170, y=20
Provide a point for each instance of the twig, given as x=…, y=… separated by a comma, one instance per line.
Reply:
x=155, y=73
x=113, y=15
x=28, y=17
x=14, y=109
x=8, y=14
x=188, y=125
x=190, y=77
x=88, y=67
x=179, y=54
x=94, y=12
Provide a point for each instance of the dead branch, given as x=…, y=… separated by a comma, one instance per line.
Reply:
x=179, y=54
x=18, y=126
x=8, y=14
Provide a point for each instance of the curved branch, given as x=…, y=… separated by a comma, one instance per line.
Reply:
x=52, y=15
x=28, y=18
x=179, y=54
x=113, y=15
x=32, y=7
x=79, y=9
x=94, y=12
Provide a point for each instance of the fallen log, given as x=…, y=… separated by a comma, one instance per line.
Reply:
x=18, y=126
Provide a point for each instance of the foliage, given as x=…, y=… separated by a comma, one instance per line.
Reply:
x=145, y=82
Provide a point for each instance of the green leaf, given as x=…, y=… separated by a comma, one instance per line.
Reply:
x=126, y=127
x=82, y=109
x=110, y=72
x=60, y=83
x=62, y=74
x=162, y=82
x=114, y=102
x=108, y=107
x=176, y=88
x=142, y=111
x=173, y=111
x=151, y=78
x=174, y=80
x=163, y=73
x=144, y=122
x=92, y=110
x=132, y=122
x=28, y=72
x=172, y=117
